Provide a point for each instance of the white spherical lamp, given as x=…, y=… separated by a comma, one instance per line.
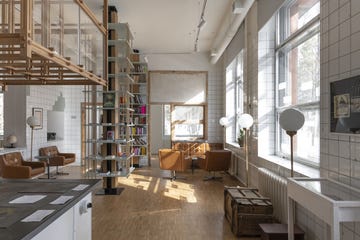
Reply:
x=32, y=121
x=246, y=121
x=291, y=119
x=224, y=121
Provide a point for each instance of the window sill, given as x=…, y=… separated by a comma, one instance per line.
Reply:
x=299, y=169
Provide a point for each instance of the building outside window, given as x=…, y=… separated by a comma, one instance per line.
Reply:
x=298, y=76
x=188, y=122
x=234, y=95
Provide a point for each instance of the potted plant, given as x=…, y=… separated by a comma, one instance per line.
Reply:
x=241, y=137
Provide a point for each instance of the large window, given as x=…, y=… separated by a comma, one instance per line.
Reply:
x=234, y=95
x=298, y=76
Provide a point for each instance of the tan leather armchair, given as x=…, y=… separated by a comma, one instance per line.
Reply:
x=13, y=166
x=173, y=160
x=214, y=161
x=57, y=159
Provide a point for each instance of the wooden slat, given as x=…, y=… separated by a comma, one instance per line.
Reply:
x=46, y=82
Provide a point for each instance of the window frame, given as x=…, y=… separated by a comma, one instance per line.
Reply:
x=237, y=83
x=285, y=42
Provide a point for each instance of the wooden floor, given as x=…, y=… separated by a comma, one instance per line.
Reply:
x=154, y=208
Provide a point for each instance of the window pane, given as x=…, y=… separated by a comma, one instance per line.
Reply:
x=167, y=122
x=299, y=78
x=188, y=122
x=299, y=13
x=307, y=139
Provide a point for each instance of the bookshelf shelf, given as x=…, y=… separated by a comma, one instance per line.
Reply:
x=110, y=121
x=140, y=115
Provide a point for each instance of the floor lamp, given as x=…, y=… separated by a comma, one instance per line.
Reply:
x=291, y=120
x=224, y=122
x=245, y=122
x=32, y=121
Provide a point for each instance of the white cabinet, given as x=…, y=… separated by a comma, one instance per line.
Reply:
x=74, y=224
x=331, y=201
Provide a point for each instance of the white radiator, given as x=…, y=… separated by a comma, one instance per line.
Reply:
x=274, y=187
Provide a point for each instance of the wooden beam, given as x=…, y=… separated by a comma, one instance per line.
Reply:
x=46, y=82
x=47, y=54
x=92, y=16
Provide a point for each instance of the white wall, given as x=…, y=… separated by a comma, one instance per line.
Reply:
x=19, y=101
x=158, y=140
x=15, y=114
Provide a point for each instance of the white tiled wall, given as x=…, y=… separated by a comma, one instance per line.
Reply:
x=40, y=97
x=340, y=58
x=45, y=97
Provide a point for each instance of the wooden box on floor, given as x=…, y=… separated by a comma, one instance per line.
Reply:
x=245, y=208
x=276, y=231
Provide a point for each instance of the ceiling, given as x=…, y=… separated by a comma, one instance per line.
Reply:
x=170, y=26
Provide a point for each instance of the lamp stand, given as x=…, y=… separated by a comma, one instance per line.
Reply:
x=31, y=143
x=246, y=156
x=291, y=134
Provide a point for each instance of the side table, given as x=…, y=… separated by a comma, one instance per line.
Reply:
x=47, y=160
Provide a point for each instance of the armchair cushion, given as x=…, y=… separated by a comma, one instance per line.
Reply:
x=173, y=160
x=13, y=166
x=57, y=158
x=216, y=160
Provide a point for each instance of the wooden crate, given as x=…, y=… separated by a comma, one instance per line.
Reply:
x=249, y=199
x=245, y=208
x=248, y=224
x=277, y=231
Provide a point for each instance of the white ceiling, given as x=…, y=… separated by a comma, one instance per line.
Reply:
x=170, y=26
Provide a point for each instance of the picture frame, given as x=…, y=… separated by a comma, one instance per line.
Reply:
x=38, y=113
x=345, y=106
x=109, y=100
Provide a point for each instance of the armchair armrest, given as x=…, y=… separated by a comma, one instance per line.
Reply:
x=33, y=164
x=57, y=160
x=16, y=172
x=67, y=155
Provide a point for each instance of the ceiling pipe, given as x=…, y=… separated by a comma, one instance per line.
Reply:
x=227, y=31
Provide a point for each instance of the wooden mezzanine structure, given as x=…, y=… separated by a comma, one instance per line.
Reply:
x=29, y=28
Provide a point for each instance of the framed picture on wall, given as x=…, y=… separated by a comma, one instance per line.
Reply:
x=38, y=113
x=345, y=106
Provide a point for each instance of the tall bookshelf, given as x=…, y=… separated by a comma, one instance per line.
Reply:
x=110, y=119
x=140, y=130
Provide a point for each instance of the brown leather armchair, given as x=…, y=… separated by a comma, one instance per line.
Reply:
x=57, y=159
x=215, y=160
x=173, y=160
x=13, y=166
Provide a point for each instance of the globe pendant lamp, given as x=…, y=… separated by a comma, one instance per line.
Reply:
x=291, y=120
x=245, y=122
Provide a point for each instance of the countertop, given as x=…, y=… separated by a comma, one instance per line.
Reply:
x=12, y=214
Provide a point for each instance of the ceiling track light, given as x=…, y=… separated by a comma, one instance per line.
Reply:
x=201, y=24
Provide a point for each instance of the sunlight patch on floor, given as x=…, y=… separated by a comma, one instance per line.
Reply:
x=137, y=181
x=180, y=191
